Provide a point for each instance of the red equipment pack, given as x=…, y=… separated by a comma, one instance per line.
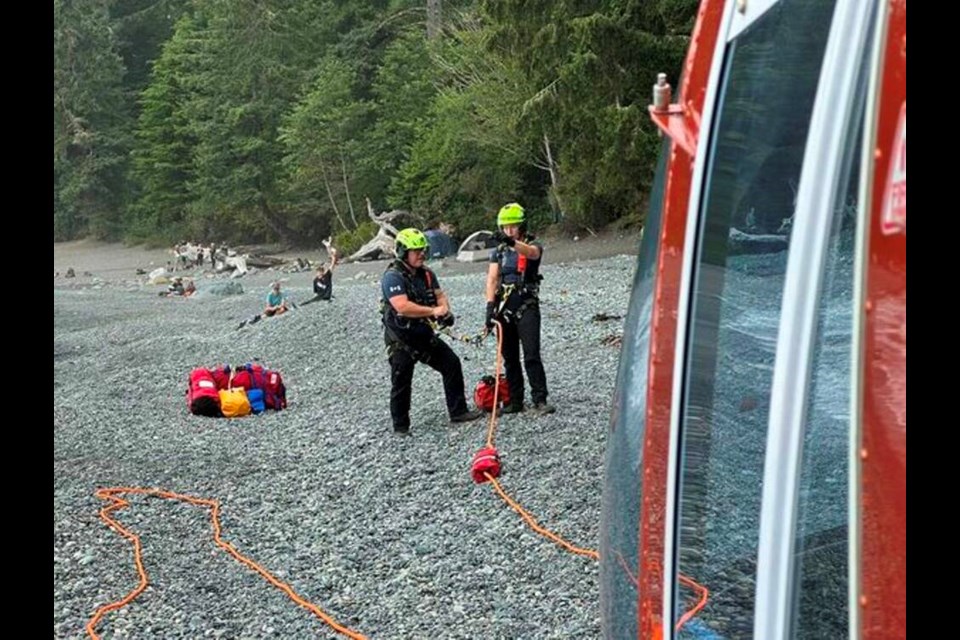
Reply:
x=274, y=391
x=221, y=376
x=256, y=376
x=202, y=396
x=251, y=376
x=483, y=394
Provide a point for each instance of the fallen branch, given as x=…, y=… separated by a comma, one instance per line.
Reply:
x=603, y=317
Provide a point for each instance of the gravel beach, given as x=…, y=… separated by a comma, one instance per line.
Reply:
x=389, y=536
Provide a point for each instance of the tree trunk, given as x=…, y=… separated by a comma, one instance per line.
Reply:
x=381, y=244
x=343, y=167
x=434, y=10
x=276, y=225
x=383, y=220
x=333, y=203
x=554, y=179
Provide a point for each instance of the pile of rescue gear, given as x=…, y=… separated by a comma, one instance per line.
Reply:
x=232, y=392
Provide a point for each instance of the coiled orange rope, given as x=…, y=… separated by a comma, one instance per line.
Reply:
x=116, y=502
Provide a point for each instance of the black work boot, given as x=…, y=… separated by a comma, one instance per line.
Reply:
x=513, y=407
x=542, y=408
x=466, y=416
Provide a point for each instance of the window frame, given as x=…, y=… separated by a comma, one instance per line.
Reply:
x=773, y=609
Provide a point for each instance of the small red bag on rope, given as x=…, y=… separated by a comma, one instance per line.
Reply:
x=486, y=461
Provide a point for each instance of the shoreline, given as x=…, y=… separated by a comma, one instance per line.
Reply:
x=117, y=262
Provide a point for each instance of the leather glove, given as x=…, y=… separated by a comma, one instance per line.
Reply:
x=491, y=314
x=447, y=320
x=503, y=238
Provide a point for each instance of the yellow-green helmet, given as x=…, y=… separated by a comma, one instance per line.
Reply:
x=510, y=214
x=409, y=239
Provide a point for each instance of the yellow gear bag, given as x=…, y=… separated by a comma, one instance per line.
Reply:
x=234, y=403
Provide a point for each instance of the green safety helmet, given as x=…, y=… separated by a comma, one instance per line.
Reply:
x=409, y=239
x=510, y=214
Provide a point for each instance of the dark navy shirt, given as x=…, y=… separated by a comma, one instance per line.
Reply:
x=419, y=287
x=509, y=261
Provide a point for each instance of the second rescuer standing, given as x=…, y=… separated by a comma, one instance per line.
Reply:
x=513, y=298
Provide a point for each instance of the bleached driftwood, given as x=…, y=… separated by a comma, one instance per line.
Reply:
x=263, y=262
x=381, y=245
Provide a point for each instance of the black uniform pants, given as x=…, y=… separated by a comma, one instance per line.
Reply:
x=438, y=356
x=526, y=332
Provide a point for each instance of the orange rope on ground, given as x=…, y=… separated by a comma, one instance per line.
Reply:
x=529, y=519
x=589, y=553
x=490, y=436
x=113, y=495
x=696, y=586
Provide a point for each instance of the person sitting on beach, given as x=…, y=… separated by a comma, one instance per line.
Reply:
x=323, y=283
x=176, y=287
x=276, y=302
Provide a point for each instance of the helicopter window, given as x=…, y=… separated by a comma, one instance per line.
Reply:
x=766, y=99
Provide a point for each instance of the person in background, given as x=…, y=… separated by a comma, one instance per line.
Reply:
x=323, y=282
x=276, y=302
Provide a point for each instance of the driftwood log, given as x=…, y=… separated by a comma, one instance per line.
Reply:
x=264, y=262
x=381, y=245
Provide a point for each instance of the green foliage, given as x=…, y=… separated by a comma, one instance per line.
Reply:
x=349, y=241
x=320, y=139
x=165, y=141
x=466, y=161
x=142, y=27
x=276, y=119
x=90, y=123
x=245, y=75
x=451, y=178
x=403, y=93
x=596, y=62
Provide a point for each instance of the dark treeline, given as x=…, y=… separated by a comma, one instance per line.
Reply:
x=264, y=120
